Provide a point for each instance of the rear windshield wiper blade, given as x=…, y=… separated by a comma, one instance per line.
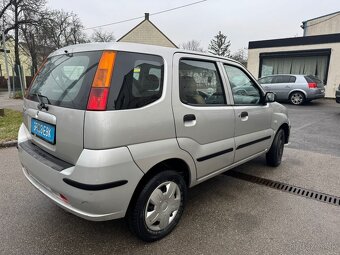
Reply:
x=38, y=95
x=42, y=105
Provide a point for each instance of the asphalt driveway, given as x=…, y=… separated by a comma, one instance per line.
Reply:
x=316, y=126
x=224, y=215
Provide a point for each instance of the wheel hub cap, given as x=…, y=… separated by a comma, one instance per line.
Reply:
x=297, y=99
x=162, y=206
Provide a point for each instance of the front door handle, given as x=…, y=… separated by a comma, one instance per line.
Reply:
x=189, y=117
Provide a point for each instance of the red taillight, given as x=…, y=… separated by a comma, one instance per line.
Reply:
x=98, y=99
x=102, y=82
x=312, y=85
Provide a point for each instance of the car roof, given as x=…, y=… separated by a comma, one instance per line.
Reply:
x=273, y=75
x=131, y=47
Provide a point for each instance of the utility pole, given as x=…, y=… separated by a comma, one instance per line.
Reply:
x=5, y=54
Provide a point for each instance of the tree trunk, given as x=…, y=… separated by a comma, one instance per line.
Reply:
x=16, y=47
x=34, y=57
x=16, y=36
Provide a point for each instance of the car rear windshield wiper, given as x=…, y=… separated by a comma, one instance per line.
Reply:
x=42, y=105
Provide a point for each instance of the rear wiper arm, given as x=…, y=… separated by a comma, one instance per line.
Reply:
x=41, y=104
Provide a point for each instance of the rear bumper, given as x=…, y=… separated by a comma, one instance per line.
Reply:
x=315, y=94
x=99, y=187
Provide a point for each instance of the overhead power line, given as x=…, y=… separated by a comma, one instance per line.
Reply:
x=151, y=14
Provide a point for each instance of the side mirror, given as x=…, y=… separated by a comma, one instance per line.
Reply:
x=270, y=97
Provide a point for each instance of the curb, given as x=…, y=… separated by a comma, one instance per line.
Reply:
x=8, y=144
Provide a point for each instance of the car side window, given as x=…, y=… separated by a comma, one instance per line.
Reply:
x=282, y=79
x=137, y=80
x=265, y=80
x=200, y=83
x=244, y=89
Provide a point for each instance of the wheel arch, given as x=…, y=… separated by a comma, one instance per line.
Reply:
x=297, y=90
x=286, y=129
x=175, y=164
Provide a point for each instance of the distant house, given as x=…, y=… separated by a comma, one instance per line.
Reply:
x=25, y=59
x=316, y=53
x=25, y=62
x=147, y=33
x=327, y=24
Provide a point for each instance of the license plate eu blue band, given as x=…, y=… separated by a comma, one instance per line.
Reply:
x=43, y=130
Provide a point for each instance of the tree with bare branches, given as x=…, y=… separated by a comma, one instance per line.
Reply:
x=16, y=14
x=63, y=28
x=99, y=35
x=192, y=45
x=241, y=56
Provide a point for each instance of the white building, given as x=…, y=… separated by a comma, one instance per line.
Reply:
x=317, y=53
x=327, y=24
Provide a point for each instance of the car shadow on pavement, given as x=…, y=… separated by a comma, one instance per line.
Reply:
x=63, y=229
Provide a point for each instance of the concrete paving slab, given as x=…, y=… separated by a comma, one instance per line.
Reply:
x=311, y=170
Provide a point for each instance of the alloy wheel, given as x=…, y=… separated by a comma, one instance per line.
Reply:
x=297, y=98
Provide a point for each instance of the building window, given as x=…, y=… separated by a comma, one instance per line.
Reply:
x=307, y=63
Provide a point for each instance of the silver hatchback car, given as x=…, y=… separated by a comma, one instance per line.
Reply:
x=116, y=130
x=298, y=89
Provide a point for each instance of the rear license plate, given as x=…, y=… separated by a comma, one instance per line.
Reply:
x=43, y=130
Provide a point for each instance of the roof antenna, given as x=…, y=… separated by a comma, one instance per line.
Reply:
x=68, y=54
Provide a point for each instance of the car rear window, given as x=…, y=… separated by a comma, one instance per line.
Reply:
x=311, y=78
x=137, y=80
x=65, y=80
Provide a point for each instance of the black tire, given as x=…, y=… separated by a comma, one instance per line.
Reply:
x=137, y=215
x=297, y=98
x=274, y=155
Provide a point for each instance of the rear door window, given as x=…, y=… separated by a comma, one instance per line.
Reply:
x=137, y=80
x=65, y=80
x=284, y=79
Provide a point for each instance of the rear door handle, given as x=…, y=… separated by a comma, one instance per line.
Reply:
x=243, y=115
x=189, y=117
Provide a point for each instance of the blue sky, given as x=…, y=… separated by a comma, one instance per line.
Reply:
x=242, y=21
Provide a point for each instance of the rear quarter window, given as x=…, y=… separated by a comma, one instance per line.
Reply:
x=137, y=81
x=292, y=79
